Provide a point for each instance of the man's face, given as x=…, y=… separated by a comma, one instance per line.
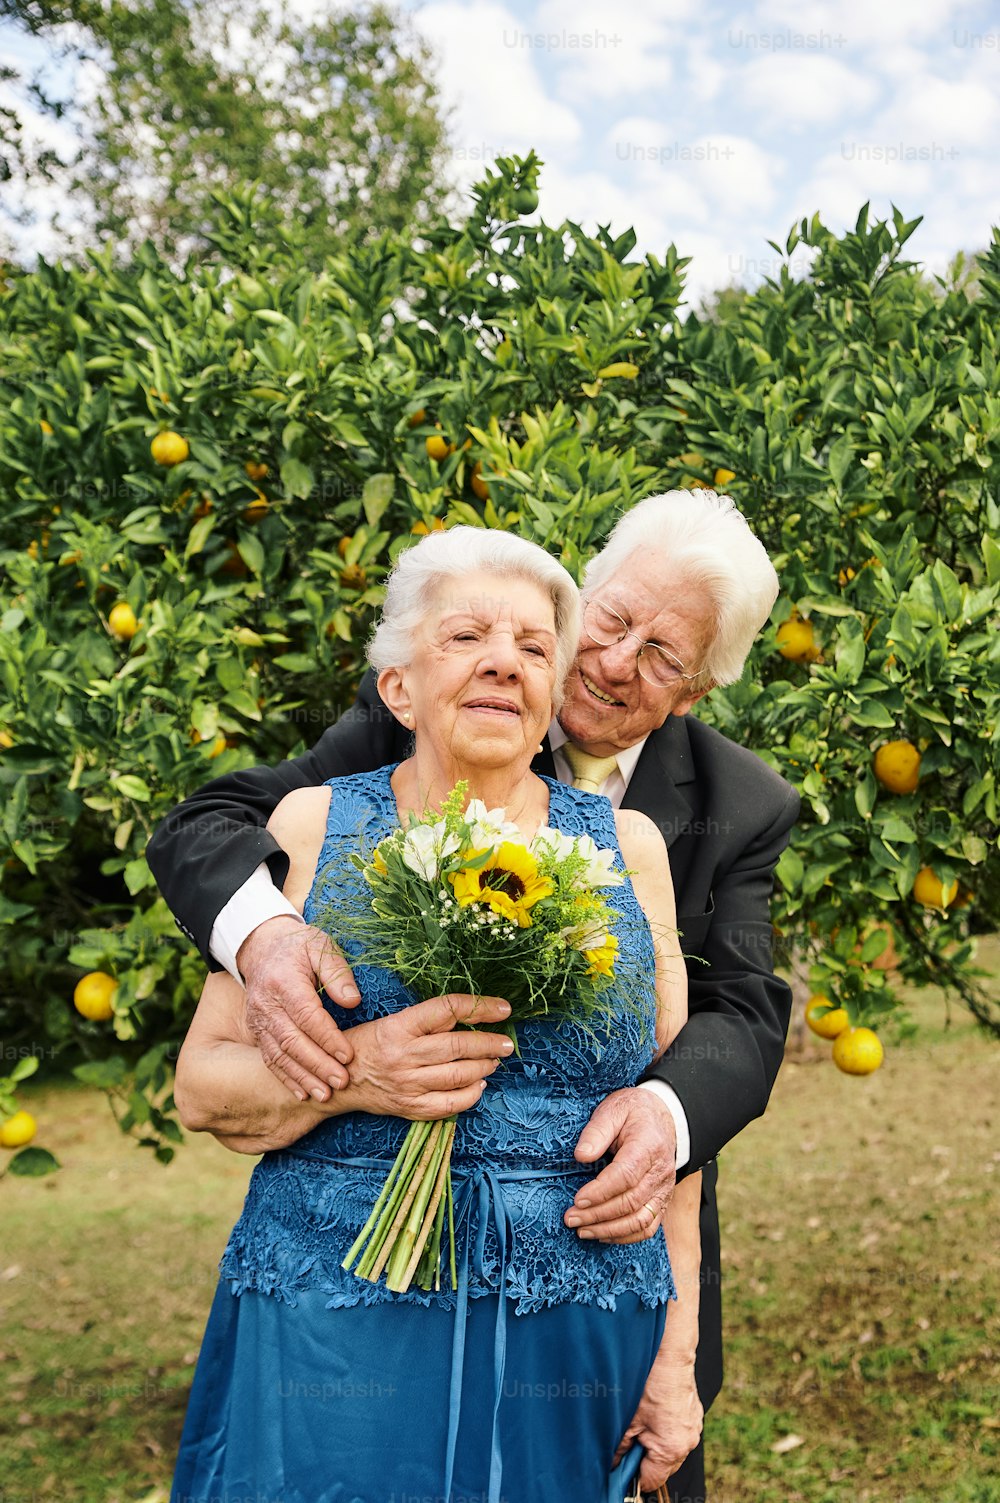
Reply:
x=609, y=706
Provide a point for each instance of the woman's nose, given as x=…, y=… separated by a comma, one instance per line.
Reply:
x=501, y=657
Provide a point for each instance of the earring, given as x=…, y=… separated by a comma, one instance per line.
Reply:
x=540, y=747
x=406, y=716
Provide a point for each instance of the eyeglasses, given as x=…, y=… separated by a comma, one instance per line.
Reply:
x=656, y=664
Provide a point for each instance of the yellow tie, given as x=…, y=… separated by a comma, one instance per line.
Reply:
x=588, y=772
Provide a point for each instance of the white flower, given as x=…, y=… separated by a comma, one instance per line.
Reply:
x=426, y=846
x=489, y=827
x=599, y=871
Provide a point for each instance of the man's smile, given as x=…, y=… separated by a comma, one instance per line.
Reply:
x=591, y=687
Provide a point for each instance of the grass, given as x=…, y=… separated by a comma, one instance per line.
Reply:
x=861, y=1266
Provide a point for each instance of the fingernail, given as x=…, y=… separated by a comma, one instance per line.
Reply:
x=504, y=1009
x=351, y=994
x=336, y=1081
x=572, y=1220
x=320, y=1094
x=586, y=1146
x=582, y=1202
x=586, y=1236
x=506, y=1047
x=344, y=1059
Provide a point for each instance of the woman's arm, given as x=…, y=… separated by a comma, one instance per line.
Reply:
x=646, y=857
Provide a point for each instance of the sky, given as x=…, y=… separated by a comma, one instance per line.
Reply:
x=716, y=126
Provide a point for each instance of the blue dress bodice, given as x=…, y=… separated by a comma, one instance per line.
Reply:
x=306, y=1204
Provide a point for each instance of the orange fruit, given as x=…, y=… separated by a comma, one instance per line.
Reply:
x=478, y=484
x=169, y=448
x=931, y=891
x=6, y=740
x=255, y=471
x=723, y=477
x=93, y=996
x=45, y=426
x=257, y=509
x=824, y=1019
x=122, y=621
x=353, y=577
x=438, y=447
x=897, y=766
x=416, y=418
x=18, y=1130
x=421, y=529
x=343, y=546
x=858, y=1051
x=796, y=641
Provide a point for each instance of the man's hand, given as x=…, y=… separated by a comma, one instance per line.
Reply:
x=283, y=964
x=418, y=1064
x=667, y=1423
x=627, y=1199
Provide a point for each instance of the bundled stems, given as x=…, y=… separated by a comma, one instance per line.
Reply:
x=402, y=1236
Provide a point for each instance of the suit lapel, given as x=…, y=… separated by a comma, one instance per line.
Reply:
x=657, y=787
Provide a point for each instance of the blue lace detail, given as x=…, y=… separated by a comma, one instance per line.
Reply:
x=306, y=1205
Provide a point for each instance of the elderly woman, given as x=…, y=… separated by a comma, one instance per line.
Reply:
x=314, y=1386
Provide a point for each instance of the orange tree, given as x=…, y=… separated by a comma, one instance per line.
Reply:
x=207, y=471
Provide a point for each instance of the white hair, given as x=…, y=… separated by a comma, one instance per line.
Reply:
x=705, y=544
x=452, y=555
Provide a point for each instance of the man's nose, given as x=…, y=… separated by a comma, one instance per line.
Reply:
x=618, y=662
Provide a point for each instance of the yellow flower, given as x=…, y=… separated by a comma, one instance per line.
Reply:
x=378, y=862
x=601, y=962
x=509, y=884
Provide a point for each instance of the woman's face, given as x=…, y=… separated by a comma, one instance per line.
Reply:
x=480, y=682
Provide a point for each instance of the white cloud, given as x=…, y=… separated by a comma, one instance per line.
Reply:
x=607, y=52
x=806, y=89
x=501, y=104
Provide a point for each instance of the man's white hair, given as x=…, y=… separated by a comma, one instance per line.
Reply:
x=448, y=557
x=708, y=553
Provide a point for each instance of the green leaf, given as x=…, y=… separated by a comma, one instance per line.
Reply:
x=133, y=787
x=840, y=460
x=198, y=536
x=34, y=1162
x=251, y=551
x=24, y=1067
x=376, y=496
x=297, y=479
x=991, y=558
x=104, y=1074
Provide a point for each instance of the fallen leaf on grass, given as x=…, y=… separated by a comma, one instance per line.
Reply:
x=787, y=1443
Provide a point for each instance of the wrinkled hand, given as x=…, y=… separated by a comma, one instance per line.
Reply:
x=626, y=1201
x=283, y=964
x=667, y=1423
x=415, y=1064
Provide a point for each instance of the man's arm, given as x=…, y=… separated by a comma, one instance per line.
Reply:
x=724, y=1061
x=209, y=845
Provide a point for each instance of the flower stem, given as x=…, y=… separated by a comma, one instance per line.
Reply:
x=385, y=1206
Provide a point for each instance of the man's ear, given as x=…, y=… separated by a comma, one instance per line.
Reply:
x=684, y=706
x=392, y=691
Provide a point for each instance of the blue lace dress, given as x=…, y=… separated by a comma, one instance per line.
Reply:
x=314, y=1386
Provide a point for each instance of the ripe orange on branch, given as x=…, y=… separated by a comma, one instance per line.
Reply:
x=824, y=1019
x=18, y=1130
x=122, y=621
x=929, y=890
x=93, y=996
x=438, y=447
x=897, y=766
x=796, y=640
x=169, y=448
x=858, y=1051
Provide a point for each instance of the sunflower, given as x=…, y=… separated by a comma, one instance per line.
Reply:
x=509, y=883
x=601, y=962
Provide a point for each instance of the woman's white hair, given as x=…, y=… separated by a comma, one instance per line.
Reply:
x=450, y=556
x=707, y=551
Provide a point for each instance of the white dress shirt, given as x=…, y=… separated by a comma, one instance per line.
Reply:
x=258, y=899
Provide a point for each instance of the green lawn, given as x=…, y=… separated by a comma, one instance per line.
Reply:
x=861, y=1274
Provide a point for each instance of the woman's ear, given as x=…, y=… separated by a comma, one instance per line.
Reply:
x=392, y=691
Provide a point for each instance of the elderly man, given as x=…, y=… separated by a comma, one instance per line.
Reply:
x=671, y=607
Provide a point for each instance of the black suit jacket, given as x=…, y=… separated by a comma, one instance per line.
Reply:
x=725, y=817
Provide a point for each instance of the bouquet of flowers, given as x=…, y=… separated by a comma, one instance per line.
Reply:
x=460, y=903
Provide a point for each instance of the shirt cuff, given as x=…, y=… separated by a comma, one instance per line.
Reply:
x=672, y=1102
x=258, y=899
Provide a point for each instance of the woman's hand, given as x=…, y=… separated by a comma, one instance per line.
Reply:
x=417, y=1064
x=667, y=1423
